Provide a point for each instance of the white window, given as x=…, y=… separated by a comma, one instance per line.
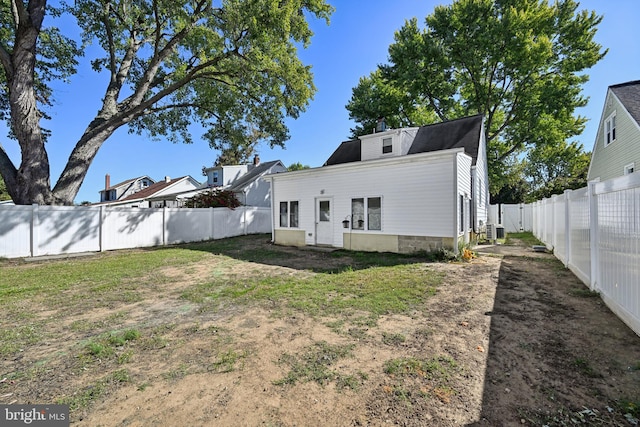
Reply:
x=610, y=129
x=215, y=177
x=387, y=146
x=629, y=168
x=289, y=213
x=373, y=218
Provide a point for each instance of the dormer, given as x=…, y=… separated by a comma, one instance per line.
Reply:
x=389, y=143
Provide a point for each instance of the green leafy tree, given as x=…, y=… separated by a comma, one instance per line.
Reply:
x=519, y=62
x=230, y=66
x=4, y=194
x=553, y=168
x=297, y=167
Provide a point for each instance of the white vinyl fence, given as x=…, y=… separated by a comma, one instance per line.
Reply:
x=28, y=231
x=595, y=231
x=513, y=217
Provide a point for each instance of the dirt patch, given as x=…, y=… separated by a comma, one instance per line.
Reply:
x=510, y=338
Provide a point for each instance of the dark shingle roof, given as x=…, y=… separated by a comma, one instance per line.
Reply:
x=250, y=176
x=460, y=133
x=347, y=152
x=629, y=94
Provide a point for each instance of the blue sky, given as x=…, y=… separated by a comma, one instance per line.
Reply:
x=352, y=46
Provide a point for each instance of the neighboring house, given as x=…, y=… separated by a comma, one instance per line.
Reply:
x=243, y=180
x=616, y=151
x=157, y=195
x=400, y=190
x=124, y=189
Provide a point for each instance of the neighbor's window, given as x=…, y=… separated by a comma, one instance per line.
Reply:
x=289, y=212
x=284, y=217
x=373, y=208
x=357, y=214
x=629, y=168
x=610, y=129
x=215, y=177
x=387, y=147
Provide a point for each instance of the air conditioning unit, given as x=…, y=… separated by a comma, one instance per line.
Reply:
x=491, y=232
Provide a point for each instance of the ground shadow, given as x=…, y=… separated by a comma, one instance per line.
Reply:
x=557, y=355
x=260, y=249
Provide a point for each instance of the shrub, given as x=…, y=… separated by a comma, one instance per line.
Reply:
x=214, y=198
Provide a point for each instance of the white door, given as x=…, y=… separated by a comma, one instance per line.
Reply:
x=324, y=223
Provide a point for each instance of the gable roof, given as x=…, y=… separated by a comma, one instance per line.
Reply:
x=347, y=152
x=127, y=182
x=152, y=189
x=246, y=179
x=629, y=95
x=459, y=133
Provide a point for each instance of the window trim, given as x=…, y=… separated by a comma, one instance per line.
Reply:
x=288, y=214
x=609, y=131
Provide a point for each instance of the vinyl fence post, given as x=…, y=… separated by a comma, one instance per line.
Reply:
x=212, y=224
x=244, y=220
x=101, y=231
x=164, y=226
x=567, y=227
x=593, y=236
x=35, y=225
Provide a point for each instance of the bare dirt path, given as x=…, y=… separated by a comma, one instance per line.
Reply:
x=510, y=338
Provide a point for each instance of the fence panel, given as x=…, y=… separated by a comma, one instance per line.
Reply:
x=188, y=225
x=15, y=231
x=132, y=228
x=559, y=229
x=67, y=229
x=579, y=234
x=258, y=220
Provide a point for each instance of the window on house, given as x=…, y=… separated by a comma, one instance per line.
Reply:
x=112, y=195
x=145, y=183
x=325, y=211
x=357, y=214
x=215, y=177
x=284, y=214
x=374, y=213
x=293, y=214
x=610, y=129
x=629, y=168
x=289, y=214
x=373, y=208
x=387, y=147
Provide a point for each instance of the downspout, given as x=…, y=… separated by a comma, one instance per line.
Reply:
x=273, y=203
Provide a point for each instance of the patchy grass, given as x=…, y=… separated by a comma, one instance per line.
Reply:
x=525, y=237
x=314, y=365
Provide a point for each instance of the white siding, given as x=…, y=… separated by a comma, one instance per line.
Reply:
x=371, y=148
x=463, y=189
x=418, y=199
x=481, y=185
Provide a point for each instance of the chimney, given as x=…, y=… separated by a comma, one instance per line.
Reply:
x=107, y=182
x=256, y=160
x=167, y=179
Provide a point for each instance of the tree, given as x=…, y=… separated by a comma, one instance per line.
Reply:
x=4, y=194
x=518, y=62
x=553, y=168
x=297, y=167
x=231, y=68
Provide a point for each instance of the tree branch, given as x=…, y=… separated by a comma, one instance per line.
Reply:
x=8, y=171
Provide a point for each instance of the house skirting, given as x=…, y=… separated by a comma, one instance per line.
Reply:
x=395, y=243
x=289, y=237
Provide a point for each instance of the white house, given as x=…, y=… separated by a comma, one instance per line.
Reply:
x=112, y=193
x=616, y=150
x=400, y=190
x=157, y=195
x=245, y=181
